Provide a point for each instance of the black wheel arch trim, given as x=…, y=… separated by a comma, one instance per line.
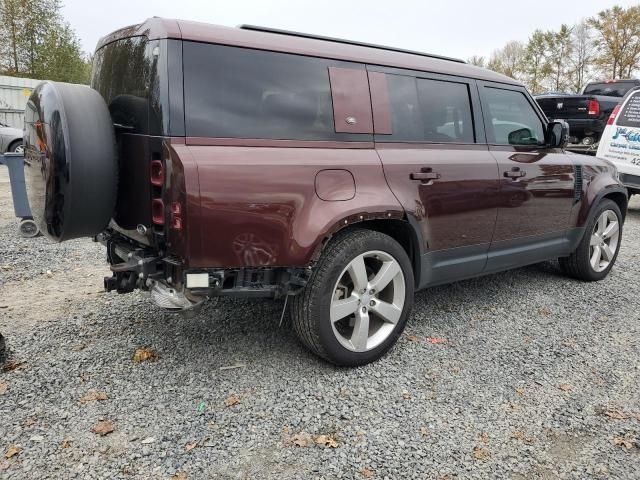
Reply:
x=605, y=192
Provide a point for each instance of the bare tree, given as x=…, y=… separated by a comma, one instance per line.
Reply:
x=478, y=61
x=535, y=67
x=508, y=60
x=558, y=51
x=582, y=56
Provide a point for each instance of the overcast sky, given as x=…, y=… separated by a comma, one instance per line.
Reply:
x=453, y=28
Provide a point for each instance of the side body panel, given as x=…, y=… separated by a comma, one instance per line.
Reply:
x=259, y=205
x=456, y=213
x=547, y=192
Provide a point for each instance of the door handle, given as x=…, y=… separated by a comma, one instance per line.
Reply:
x=515, y=173
x=425, y=175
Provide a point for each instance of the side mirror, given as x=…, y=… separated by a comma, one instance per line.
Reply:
x=558, y=134
x=522, y=136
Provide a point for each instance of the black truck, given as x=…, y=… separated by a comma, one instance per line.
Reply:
x=588, y=113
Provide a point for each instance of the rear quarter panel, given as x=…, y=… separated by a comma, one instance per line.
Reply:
x=259, y=205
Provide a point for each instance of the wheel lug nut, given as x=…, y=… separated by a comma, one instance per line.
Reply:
x=372, y=303
x=371, y=292
x=364, y=309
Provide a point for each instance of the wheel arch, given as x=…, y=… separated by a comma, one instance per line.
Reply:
x=13, y=142
x=598, y=192
x=400, y=229
x=621, y=199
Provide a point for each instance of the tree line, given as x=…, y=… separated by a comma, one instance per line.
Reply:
x=36, y=42
x=605, y=46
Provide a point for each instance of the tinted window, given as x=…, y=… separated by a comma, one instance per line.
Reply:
x=513, y=121
x=446, y=110
x=406, y=118
x=613, y=89
x=124, y=72
x=243, y=93
x=425, y=110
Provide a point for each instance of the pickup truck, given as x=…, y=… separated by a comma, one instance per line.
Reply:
x=586, y=114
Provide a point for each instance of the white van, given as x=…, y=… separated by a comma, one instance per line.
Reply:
x=620, y=141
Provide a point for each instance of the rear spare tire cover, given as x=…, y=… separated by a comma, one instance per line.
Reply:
x=70, y=155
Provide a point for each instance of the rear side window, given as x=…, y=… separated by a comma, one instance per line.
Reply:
x=233, y=92
x=511, y=118
x=427, y=110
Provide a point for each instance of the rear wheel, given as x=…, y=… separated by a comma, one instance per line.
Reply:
x=595, y=256
x=358, y=299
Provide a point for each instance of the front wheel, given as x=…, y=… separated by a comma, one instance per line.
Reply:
x=597, y=252
x=358, y=299
x=16, y=147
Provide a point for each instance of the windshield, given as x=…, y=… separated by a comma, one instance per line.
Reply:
x=613, y=89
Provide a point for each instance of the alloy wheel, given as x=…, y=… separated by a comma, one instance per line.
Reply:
x=604, y=241
x=367, y=301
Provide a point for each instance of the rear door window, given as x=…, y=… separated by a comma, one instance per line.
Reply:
x=510, y=119
x=446, y=110
x=233, y=92
x=428, y=111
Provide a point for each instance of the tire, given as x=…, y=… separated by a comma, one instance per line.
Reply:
x=16, y=147
x=70, y=154
x=579, y=264
x=311, y=309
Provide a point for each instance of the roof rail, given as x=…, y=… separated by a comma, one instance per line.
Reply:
x=348, y=42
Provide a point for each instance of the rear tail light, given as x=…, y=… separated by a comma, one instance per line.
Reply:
x=157, y=211
x=176, y=216
x=593, y=107
x=614, y=114
x=176, y=223
x=157, y=173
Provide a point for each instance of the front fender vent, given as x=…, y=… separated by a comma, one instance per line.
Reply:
x=579, y=181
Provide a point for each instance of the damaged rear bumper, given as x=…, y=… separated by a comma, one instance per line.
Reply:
x=176, y=288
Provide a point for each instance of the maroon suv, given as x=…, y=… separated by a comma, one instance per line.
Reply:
x=245, y=161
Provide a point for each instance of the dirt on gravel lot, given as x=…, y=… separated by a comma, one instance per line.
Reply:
x=521, y=375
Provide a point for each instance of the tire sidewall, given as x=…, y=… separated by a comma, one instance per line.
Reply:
x=334, y=349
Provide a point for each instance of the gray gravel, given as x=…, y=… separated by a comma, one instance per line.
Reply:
x=538, y=377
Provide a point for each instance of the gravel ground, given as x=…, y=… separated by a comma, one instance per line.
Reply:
x=521, y=375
